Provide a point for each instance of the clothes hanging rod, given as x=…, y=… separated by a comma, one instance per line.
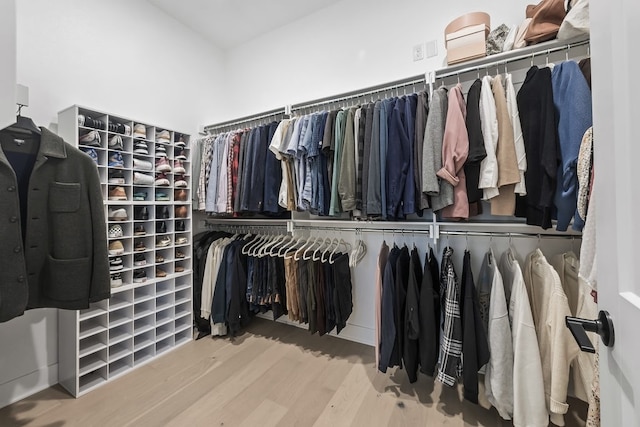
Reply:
x=509, y=57
x=361, y=93
x=363, y=230
x=507, y=234
x=247, y=119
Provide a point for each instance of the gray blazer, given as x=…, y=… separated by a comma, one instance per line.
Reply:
x=63, y=260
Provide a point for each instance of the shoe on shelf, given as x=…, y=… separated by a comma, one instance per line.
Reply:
x=117, y=214
x=127, y=130
x=162, y=180
x=163, y=137
x=160, y=273
x=180, y=142
x=91, y=153
x=115, y=231
x=181, y=241
x=139, y=246
x=139, y=276
x=162, y=196
x=140, y=131
x=116, y=177
x=180, y=225
x=115, y=264
x=180, y=254
x=180, y=154
x=116, y=160
x=181, y=212
x=161, y=227
x=141, y=148
x=91, y=138
x=140, y=178
x=116, y=248
x=139, y=260
x=161, y=151
x=180, y=195
x=178, y=167
x=116, y=280
x=140, y=196
x=141, y=213
x=159, y=259
x=163, y=242
x=139, y=230
x=115, y=143
x=142, y=164
x=181, y=182
x=162, y=165
x=162, y=212
x=80, y=119
x=117, y=193
x=179, y=269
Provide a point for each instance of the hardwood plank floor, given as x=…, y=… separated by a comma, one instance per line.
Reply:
x=272, y=375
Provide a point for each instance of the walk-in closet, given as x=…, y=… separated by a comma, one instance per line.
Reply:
x=334, y=212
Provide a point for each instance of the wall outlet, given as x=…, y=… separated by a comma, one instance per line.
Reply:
x=418, y=52
x=432, y=48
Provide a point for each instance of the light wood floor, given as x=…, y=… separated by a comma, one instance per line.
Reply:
x=272, y=375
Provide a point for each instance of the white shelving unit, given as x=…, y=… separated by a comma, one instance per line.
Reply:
x=141, y=320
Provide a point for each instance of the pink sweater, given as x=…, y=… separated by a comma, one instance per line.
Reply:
x=455, y=149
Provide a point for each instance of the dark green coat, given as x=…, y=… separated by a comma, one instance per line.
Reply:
x=63, y=261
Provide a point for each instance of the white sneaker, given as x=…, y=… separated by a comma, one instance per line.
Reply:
x=116, y=280
x=163, y=137
x=115, y=231
x=118, y=214
x=140, y=131
x=142, y=179
x=142, y=164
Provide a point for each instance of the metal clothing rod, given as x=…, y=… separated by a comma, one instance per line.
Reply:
x=247, y=119
x=363, y=230
x=507, y=234
x=490, y=61
x=409, y=81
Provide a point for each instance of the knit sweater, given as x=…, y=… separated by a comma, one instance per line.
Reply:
x=572, y=99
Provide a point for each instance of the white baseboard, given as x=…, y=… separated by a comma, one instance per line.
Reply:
x=26, y=385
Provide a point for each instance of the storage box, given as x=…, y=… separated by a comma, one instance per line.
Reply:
x=467, y=43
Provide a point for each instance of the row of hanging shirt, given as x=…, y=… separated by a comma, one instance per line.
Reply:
x=508, y=325
x=308, y=279
x=398, y=156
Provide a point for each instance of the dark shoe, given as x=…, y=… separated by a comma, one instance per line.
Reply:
x=180, y=225
x=139, y=260
x=139, y=246
x=180, y=195
x=162, y=212
x=139, y=276
x=159, y=259
x=141, y=213
x=139, y=230
x=161, y=227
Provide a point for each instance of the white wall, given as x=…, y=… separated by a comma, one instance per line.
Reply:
x=120, y=56
x=8, y=64
x=347, y=46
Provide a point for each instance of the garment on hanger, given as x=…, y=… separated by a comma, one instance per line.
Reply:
x=451, y=343
x=44, y=264
x=538, y=119
x=572, y=99
x=422, y=112
x=412, y=317
x=529, y=407
x=498, y=378
x=489, y=120
x=514, y=116
x=440, y=190
x=475, y=348
x=477, y=151
x=380, y=266
x=429, y=340
x=558, y=349
x=389, y=352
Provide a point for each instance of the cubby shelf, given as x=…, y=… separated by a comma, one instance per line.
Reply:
x=141, y=320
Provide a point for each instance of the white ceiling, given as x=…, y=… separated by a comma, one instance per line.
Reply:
x=229, y=23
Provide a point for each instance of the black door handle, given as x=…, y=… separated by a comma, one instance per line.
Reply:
x=603, y=326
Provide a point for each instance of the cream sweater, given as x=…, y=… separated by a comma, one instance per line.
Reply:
x=550, y=306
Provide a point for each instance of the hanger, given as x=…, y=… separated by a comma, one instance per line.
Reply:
x=304, y=254
x=321, y=246
x=295, y=255
x=346, y=246
x=328, y=250
x=23, y=124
